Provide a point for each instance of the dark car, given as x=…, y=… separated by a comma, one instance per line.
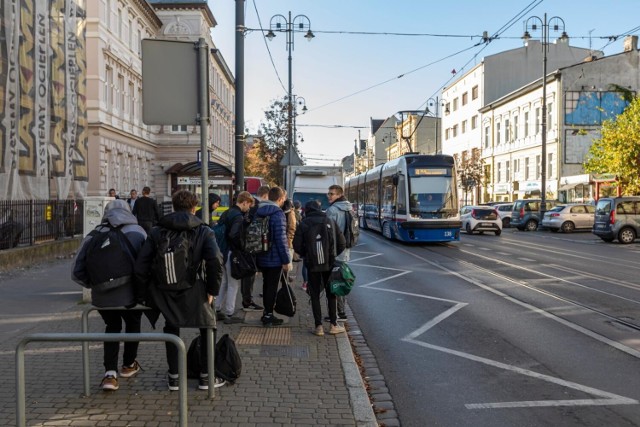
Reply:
x=617, y=218
x=526, y=213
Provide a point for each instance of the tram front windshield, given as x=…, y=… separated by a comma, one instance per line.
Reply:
x=432, y=194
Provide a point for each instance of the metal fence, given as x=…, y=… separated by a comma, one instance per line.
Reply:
x=29, y=222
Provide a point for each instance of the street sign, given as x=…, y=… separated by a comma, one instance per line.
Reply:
x=169, y=82
x=199, y=156
x=194, y=180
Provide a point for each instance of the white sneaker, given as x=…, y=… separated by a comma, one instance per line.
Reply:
x=319, y=331
x=337, y=329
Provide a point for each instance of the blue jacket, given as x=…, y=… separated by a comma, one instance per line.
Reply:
x=278, y=254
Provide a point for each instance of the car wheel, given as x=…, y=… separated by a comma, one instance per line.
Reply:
x=498, y=232
x=468, y=229
x=568, y=227
x=506, y=222
x=626, y=235
x=386, y=230
x=531, y=225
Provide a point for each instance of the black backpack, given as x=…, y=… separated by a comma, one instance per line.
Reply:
x=228, y=362
x=109, y=258
x=173, y=266
x=319, y=245
x=257, y=236
x=351, y=229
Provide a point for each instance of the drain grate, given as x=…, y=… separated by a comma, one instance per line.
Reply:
x=264, y=336
x=293, y=351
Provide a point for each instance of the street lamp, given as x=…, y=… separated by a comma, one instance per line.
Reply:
x=557, y=24
x=299, y=23
x=436, y=104
x=298, y=100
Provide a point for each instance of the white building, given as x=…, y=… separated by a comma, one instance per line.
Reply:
x=463, y=126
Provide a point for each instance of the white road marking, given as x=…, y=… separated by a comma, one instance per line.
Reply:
x=527, y=259
x=607, y=398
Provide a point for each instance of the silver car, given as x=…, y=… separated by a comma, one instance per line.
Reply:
x=568, y=218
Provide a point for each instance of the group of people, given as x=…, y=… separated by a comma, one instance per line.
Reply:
x=144, y=208
x=211, y=286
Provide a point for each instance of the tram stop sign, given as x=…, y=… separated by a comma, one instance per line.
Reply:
x=169, y=82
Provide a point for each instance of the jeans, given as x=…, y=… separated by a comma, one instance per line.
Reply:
x=226, y=300
x=270, y=281
x=318, y=282
x=113, y=321
x=172, y=350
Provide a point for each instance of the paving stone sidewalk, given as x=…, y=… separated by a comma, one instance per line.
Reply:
x=289, y=377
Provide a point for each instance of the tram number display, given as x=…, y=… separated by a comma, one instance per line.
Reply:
x=429, y=172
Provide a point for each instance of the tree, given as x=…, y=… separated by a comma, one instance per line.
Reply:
x=470, y=171
x=265, y=156
x=618, y=149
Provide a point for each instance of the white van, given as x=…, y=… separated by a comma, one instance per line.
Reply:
x=313, y=182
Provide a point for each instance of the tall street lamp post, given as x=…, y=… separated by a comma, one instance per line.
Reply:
x=298, y=23
x=297, y=100
x=532, y=24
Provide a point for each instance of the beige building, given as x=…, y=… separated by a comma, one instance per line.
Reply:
x=125, y=153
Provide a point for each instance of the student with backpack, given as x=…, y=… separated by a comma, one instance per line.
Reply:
x=339, y=210
x=178, y=272
x=104, y=263
x=234, y=221
x=319, y=240
x=274, y=260
x=246, y=287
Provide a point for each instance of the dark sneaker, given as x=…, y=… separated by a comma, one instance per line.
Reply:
x=252, y=307
x=173, y=382
x=271, y=320
x=109, y=383
x=342, y=316
x=203, y=382
x=129, y=371
x=220, y=315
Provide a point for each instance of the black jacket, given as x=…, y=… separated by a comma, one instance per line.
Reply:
x=235, y=221
x=188, y=308
x=146, y=209
x=312, y=218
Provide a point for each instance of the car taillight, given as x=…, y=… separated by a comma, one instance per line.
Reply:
x=521, y=212
x=555, y=214
x=612, y=217
x=473, y=213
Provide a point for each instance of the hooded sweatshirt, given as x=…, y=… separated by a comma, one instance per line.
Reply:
x=116, y=213
x=337, y=212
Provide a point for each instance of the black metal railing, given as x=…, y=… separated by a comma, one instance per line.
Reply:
x=29, y=222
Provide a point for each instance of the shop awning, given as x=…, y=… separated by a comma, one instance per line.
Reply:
x=566, y=187
x=195, y=168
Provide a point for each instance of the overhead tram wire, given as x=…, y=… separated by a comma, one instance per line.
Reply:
x=267, y=46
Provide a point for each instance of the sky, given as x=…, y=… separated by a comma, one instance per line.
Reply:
x=346, y=79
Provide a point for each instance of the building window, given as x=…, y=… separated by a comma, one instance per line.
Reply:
x=550, y=165
x=120, y=99
x=538, y=118
x=132, y=100
x=139, y=103
x=108, y=14
x=139, y=42
x=499, y=172
x=515, y=128
x=455, y=104
x=474, y=122
x=538, y=167
x=507, y=171
x=474, y=92
x=131, y=34
x=179, y=128
x=108, y=88
x=526, y=169
x=498, y=133
x=446, y=133
x=464, y=126
x=486, y=136
x=455, y=131
x=516, y=166
x=507, y=131
x=465, y=97
x=120, y=24
x=549, y=116
x=526, y=124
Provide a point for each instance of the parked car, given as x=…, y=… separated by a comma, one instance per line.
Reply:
x=569, y=217
x=526, y=213
x=504, y=210
x=480, y=219
x=617, y=218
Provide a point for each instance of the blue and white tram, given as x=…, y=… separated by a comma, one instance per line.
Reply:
x=412, y=198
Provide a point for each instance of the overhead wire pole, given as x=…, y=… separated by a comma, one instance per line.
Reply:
x=239, y=127
x=276, y=23
x=203, y=120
